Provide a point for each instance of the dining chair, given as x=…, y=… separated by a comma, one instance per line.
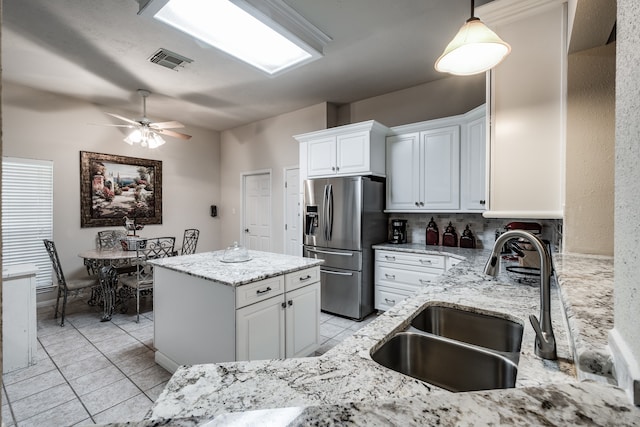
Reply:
x=66, y=286
x=109, y=239
x=108, y=280
x=141, y=284
x=189, y=241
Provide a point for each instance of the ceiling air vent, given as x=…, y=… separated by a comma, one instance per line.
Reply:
x=169, y=59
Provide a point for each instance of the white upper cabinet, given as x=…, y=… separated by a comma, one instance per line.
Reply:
x=441, y=171
x=403, y=171
x=356, y=149
x=473, y=151
x=527, y=98
x=437, y=165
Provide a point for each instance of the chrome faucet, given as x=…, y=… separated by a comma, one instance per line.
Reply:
x=545, y=345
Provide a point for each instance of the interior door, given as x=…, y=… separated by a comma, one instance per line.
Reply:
x=256, y=223
x=292, y=201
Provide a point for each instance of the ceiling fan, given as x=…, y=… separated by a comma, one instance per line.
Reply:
x=148, y=133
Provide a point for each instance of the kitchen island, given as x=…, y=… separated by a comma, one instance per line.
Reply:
x=207, y=310
x=346, y=386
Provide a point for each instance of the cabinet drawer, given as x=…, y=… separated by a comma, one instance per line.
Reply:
x=258, y=291
x=301, y=278
x=387, y=297
x=408, y=259
x=392, y=274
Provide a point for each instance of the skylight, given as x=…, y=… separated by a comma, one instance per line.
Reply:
x=251, y=37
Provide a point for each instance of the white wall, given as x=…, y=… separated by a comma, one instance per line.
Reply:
x=42, y=125
x=441, y=98
x=588, y=213
x=266, y=144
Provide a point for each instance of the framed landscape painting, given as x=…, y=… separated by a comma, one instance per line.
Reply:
x=113, y=187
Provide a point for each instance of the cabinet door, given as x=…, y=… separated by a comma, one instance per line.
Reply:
x=403, y=172
x=352, y=153
x=260, y=330
x=321, y=157
x=441, y=179
x=473, y=171
x=303, y=320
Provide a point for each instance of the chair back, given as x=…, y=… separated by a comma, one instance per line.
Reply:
x=154, y=248
x=109, y=239
x=189, y=241
x=55, y=260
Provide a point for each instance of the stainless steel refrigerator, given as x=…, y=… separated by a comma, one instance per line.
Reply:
x=343, y=218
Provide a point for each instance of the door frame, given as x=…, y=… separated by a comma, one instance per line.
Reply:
x=243, y=178
x=284, y=210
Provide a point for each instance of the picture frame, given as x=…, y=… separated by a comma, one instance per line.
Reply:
x=113, y=187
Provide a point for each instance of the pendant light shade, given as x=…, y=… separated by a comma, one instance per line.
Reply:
x=475, y=49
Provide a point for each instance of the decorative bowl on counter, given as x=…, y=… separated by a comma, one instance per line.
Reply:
x=235, y=253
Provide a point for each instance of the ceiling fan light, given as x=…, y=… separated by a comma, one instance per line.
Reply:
x=475, y=49
x=134, y=137
x=155, y=141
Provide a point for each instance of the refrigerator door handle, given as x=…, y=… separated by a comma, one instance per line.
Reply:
x=330, y=217
x=337, y=273
x=325, y=202
x=329, y=252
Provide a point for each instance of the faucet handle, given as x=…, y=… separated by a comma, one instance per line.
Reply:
x=545, y=345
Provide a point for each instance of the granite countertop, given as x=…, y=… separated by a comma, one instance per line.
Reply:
x=346, y=384
x=262, y=265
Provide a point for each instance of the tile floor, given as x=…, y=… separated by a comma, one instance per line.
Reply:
x=92, y=372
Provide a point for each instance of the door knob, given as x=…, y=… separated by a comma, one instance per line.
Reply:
x=246, y=230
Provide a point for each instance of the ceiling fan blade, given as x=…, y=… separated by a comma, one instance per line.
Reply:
x=171, y=133
x=124, y=119
x=115, y=126
x=166, y=125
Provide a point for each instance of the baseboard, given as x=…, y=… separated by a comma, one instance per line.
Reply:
x=166, y=362
x=627, y=370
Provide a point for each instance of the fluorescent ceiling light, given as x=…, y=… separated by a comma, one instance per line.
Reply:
x=242, y=30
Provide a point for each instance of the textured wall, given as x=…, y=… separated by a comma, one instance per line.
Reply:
x=626, y=332
x=588, y=221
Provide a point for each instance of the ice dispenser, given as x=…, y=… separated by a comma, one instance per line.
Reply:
x=310, y=219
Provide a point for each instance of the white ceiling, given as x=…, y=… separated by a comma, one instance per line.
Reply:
x=98, y=50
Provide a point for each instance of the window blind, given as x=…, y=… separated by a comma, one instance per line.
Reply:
x=27, y=214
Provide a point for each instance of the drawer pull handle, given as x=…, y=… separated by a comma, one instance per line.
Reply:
x=390, y=276
x=390, y=258
x=426, y=261
x=260, y=292
x=390, y=301
x=307, y=277
x=424, y=281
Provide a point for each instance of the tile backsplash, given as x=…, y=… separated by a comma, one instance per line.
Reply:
x=483, y=229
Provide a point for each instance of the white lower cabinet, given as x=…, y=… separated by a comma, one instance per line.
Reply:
x=400, y=274
x=260, y=330
x=272, y=318
x=286, y=325
x=303, y=321
x=19, y=317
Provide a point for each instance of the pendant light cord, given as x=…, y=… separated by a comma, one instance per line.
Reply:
x=472, y=8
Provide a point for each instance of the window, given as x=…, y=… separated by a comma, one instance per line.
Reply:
x=27, y=214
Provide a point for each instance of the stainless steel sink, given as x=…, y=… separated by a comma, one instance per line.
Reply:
x=473, y=328
x=449, y=364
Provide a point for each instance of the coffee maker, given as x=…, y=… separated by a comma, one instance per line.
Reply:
x=398, y=231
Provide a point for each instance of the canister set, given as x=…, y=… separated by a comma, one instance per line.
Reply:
x=449, y=236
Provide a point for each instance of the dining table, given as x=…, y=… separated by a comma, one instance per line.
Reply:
x=94, y=259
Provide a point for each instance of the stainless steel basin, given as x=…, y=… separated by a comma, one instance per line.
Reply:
x=473, y=328
x=445, y=363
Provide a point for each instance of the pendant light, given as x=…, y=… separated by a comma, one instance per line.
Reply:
x=475, y=49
